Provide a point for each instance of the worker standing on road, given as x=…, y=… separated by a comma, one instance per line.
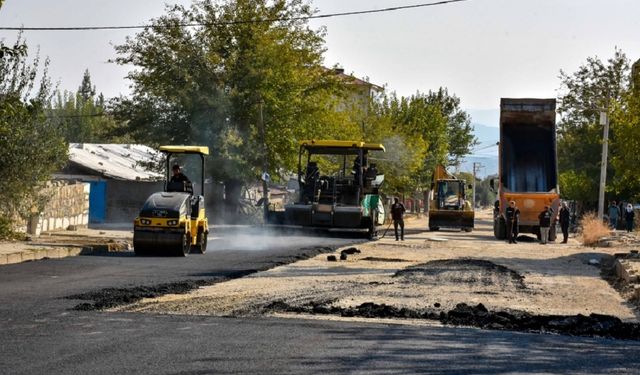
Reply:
x=564, y=217
x=629, y=215
x=513, y=218
x=614, y=214
x=545, y=223
x=397, y=214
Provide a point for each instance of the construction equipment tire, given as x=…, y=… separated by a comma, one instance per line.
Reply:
x=201, y=243
x=185, y=245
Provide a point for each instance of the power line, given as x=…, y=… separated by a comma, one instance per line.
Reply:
x=268, y=20
x=485, y=147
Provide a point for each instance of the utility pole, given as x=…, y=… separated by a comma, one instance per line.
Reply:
x=476, y=168
x=265, y=162
x=604, y=120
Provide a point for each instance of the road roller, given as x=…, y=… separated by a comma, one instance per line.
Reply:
x=174, y=221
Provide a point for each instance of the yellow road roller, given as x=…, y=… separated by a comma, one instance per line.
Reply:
x=173, y=221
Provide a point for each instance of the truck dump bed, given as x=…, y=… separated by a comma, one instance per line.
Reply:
x=528, y=162
x=528, y=145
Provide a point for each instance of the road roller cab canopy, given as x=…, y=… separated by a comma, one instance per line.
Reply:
x=171, y=151
x=202, y=150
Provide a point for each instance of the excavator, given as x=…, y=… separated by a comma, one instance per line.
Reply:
x=173, y=221
x=448, y=206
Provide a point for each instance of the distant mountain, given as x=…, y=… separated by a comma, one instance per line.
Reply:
x=487, y=135
x=485, y=153
x=488, y=165
x=489, y=117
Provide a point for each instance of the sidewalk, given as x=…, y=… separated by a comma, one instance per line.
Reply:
x=60, y=244
x=17, y=252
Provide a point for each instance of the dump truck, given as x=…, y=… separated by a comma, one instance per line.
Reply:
x=174, y=221
x=338, y=188
x=528, y=164
x=448, y=203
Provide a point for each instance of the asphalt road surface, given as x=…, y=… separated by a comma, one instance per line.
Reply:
x=40, y=333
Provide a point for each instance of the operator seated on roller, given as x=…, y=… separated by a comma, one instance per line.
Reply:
x=178, y=176
x=180, y=179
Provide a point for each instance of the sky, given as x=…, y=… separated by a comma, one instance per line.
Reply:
x=480, y=50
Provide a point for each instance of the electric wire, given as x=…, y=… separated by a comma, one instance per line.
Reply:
x=269, y=20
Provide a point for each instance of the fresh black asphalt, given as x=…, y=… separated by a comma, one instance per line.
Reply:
x=40, y=333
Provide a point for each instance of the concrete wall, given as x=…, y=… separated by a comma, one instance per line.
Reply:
x=126, y=198
x=67, y=204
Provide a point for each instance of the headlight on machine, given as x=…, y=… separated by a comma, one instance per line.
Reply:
x=172, y=222
x=145, y=221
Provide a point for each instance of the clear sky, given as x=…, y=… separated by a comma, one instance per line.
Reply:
x=480, y=50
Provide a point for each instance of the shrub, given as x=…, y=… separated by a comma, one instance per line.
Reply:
x=593, y=229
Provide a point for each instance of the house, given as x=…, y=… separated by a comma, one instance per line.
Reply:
x=359, y=91
x=121, y=177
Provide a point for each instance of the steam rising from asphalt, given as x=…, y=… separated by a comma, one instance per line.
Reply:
x=245, y=238
x=396, y=157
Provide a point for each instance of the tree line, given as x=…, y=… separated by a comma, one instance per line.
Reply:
x=257, y=65
x=217, y=85
x=609, y=86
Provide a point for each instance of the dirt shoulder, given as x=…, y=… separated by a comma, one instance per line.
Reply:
x=430, y=271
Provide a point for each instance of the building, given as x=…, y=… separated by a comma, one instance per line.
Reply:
x=121, y=177
x=359, y=91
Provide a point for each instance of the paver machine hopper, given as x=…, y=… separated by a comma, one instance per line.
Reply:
x=174, y=221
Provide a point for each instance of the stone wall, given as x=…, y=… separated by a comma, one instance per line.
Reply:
x=66, y=204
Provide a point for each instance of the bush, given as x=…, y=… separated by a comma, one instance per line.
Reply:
x=593, y=229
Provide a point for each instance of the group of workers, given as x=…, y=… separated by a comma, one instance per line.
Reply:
x=614, y=215
x=546, y=218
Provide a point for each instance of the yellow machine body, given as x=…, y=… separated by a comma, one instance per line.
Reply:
x=173, y=222
x=448, y=203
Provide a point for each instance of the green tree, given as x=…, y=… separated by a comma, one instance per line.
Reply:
x=31, y=148
x=84, y=117
x=420, y=132
x=594, y=87
x=598, y=86
x=626, y=116
x=213, y=84
x=485, y=196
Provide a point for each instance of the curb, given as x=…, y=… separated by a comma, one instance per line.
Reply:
x=54, y=252
x=39, y=253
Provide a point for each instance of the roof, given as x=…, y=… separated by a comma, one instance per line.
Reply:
x=117, y=161
x=203, y=150
x=352, y=80
x=316, y=143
